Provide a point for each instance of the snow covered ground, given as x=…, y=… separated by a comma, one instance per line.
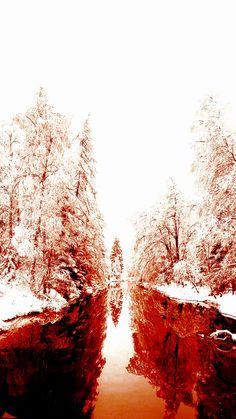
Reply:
x=16, y=302
x=225, y=303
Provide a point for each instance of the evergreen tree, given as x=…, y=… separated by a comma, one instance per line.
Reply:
x=90, y=250
x=116, y=259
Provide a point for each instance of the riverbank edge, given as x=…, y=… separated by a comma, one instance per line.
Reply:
x=225, y=303
x=46, y=313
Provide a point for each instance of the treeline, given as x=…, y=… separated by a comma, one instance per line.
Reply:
x=181, y=241
x=51, y=231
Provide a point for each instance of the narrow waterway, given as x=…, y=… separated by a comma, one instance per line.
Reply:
x=123, y=394
x=174, y=351
x=121, y=353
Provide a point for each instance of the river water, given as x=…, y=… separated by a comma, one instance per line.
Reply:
x=121, y=394
x=122, y=353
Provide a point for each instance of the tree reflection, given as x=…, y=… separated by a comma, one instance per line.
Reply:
x=52, y=370
x=185, y=368
x=115, y=301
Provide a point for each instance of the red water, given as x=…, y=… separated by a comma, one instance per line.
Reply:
x=122, y=394
x=150, y=357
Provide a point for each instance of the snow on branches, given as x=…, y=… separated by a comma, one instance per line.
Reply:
x=49, y=217
x=181, y=242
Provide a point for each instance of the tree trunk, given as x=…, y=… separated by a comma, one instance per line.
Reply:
x=38, y=227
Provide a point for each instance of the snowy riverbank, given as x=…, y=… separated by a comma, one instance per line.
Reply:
x=18, y=305
x=16, y=302
x=226, y=303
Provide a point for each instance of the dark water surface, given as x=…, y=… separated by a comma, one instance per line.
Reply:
x=121, y=354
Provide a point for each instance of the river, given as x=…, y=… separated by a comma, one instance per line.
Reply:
x=122, y=353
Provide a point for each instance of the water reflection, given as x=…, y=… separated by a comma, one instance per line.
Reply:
x=123, y=395
x=173, y=350
x=116, y=300
x=52, y=370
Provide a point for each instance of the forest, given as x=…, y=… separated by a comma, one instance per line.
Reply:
x=52, y=232
x=51, y=228
x=194, y=242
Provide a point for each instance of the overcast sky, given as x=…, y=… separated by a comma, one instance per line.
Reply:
x=140, y=68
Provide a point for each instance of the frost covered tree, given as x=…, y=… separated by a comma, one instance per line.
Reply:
x=215, y=158
x=36, y=233
x=161, y=238
x=11, y=140
x=116, y=259
x=49, y=210
x=84, y=244
x=215, y=167
x=180, y=242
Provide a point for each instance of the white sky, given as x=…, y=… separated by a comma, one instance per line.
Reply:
x=139, y=67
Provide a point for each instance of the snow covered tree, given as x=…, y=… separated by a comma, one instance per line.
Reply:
x=161, y=238
x=116, y=259
x=11, y=139
x=215, y=159
x=86, y=165
x=46, y=137
x=86, y=244
x=49, y=214
x=215, y=167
